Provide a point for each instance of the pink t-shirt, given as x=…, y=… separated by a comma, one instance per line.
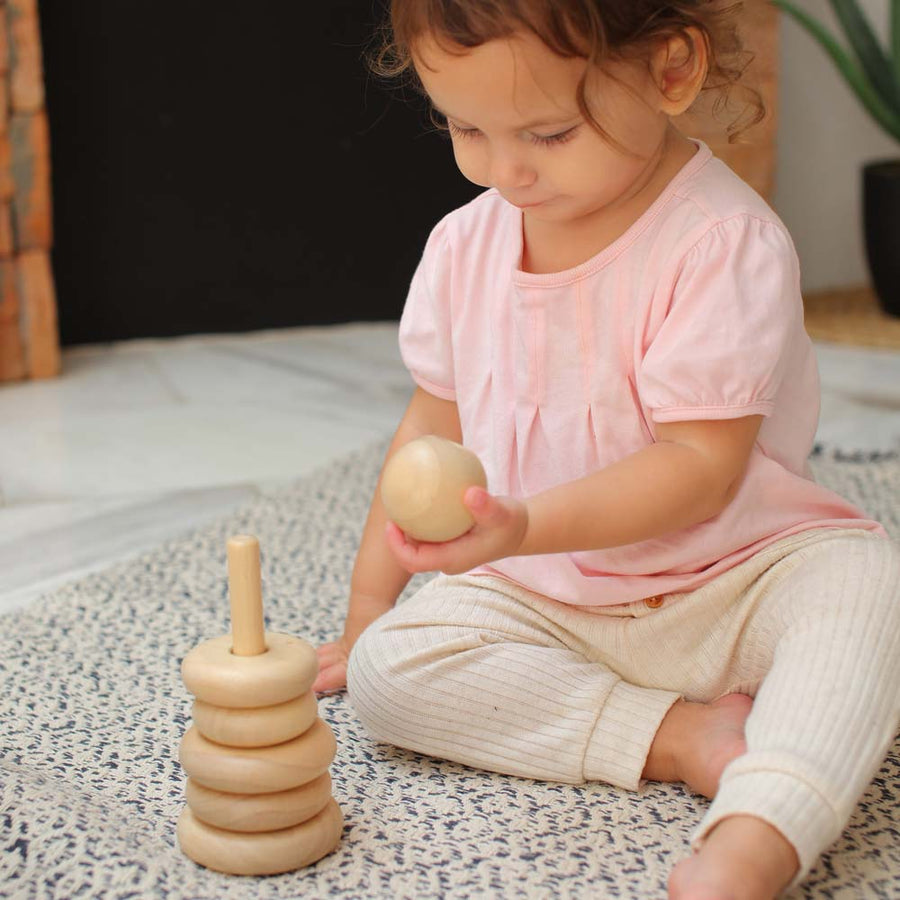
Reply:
x=694, y=313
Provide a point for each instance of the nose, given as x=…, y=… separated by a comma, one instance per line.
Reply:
x=510, y=171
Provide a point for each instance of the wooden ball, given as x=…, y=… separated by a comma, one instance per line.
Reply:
x=258, y=727
x=258, y=770
x=212, y=673
x=258, y=812
x=264, y=853
x=423, y=484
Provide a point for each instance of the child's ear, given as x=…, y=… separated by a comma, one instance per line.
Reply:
x=679, y=65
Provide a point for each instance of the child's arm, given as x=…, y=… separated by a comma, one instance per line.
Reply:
x=378, y=579
x=688, y=476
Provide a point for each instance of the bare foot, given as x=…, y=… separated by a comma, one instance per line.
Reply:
x=743, y=858
x=718, y=741
x=696, y=741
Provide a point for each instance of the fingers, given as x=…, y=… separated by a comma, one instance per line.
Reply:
x=493, y=518
x=332, y=668
x=334, y=678
x=411, y=554
x=329, y=654
x=397, y=539
x=403, y=547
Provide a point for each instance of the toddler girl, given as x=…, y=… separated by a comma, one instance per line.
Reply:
x=654, y=587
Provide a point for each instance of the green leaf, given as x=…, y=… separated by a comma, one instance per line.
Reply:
x=885, y=116
x=868, y=51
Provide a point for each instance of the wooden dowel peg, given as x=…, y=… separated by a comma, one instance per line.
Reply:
x=245, y=591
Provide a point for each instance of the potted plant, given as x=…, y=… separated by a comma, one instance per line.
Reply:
x=873, y=73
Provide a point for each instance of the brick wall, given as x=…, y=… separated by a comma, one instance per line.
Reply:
x=29, y=344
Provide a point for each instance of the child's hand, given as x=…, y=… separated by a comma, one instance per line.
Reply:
x=363, y=609
x=332, y=666
x=500, y=526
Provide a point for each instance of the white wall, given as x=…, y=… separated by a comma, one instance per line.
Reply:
x=824, y=137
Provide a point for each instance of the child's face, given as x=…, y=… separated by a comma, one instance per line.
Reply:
x=515, y=125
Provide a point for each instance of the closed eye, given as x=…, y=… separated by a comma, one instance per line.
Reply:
x=560, y=138
x=544, y=140
x=458, y=131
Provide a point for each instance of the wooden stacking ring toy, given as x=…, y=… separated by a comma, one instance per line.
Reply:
x=216, y=674
x=258, y=770
x=263, y=853
x=257, y=755
x=258, y=812
x=255, y=727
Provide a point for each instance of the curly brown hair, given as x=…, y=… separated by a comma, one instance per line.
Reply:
x=594, y=30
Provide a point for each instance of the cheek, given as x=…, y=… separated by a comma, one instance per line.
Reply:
x=597, y=175
x=641, y=130
x=594, y=168
x=470, y=162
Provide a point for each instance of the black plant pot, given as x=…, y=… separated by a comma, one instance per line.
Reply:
x=881, y=215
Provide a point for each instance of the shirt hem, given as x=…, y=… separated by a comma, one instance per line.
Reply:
x=635, y=588
x=687, y=413
x=440, y=392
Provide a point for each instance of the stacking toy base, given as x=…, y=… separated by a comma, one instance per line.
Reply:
x=262, y=853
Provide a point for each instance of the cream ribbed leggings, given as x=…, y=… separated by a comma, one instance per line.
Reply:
x=483, y=672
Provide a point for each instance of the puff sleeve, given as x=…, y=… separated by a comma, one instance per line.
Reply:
x=425, y=325
x=726, y=326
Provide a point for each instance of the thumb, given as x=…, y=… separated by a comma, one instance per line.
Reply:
x=485, y=509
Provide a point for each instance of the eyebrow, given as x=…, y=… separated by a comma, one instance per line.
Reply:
x=527, y=126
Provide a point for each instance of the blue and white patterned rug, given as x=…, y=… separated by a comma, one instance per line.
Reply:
x=92, y=709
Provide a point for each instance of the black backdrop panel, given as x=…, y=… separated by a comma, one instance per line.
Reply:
x=231, y=166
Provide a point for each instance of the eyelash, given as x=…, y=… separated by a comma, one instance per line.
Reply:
x=540, y=139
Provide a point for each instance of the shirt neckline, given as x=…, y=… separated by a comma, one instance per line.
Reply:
x=621, y=243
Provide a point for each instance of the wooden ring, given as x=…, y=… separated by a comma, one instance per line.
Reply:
x=258, y=727
x=258, y=770
x=263, y=853
x=212, y=673
x=258, y=812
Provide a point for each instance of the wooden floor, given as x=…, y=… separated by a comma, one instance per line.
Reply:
x=851, y=317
